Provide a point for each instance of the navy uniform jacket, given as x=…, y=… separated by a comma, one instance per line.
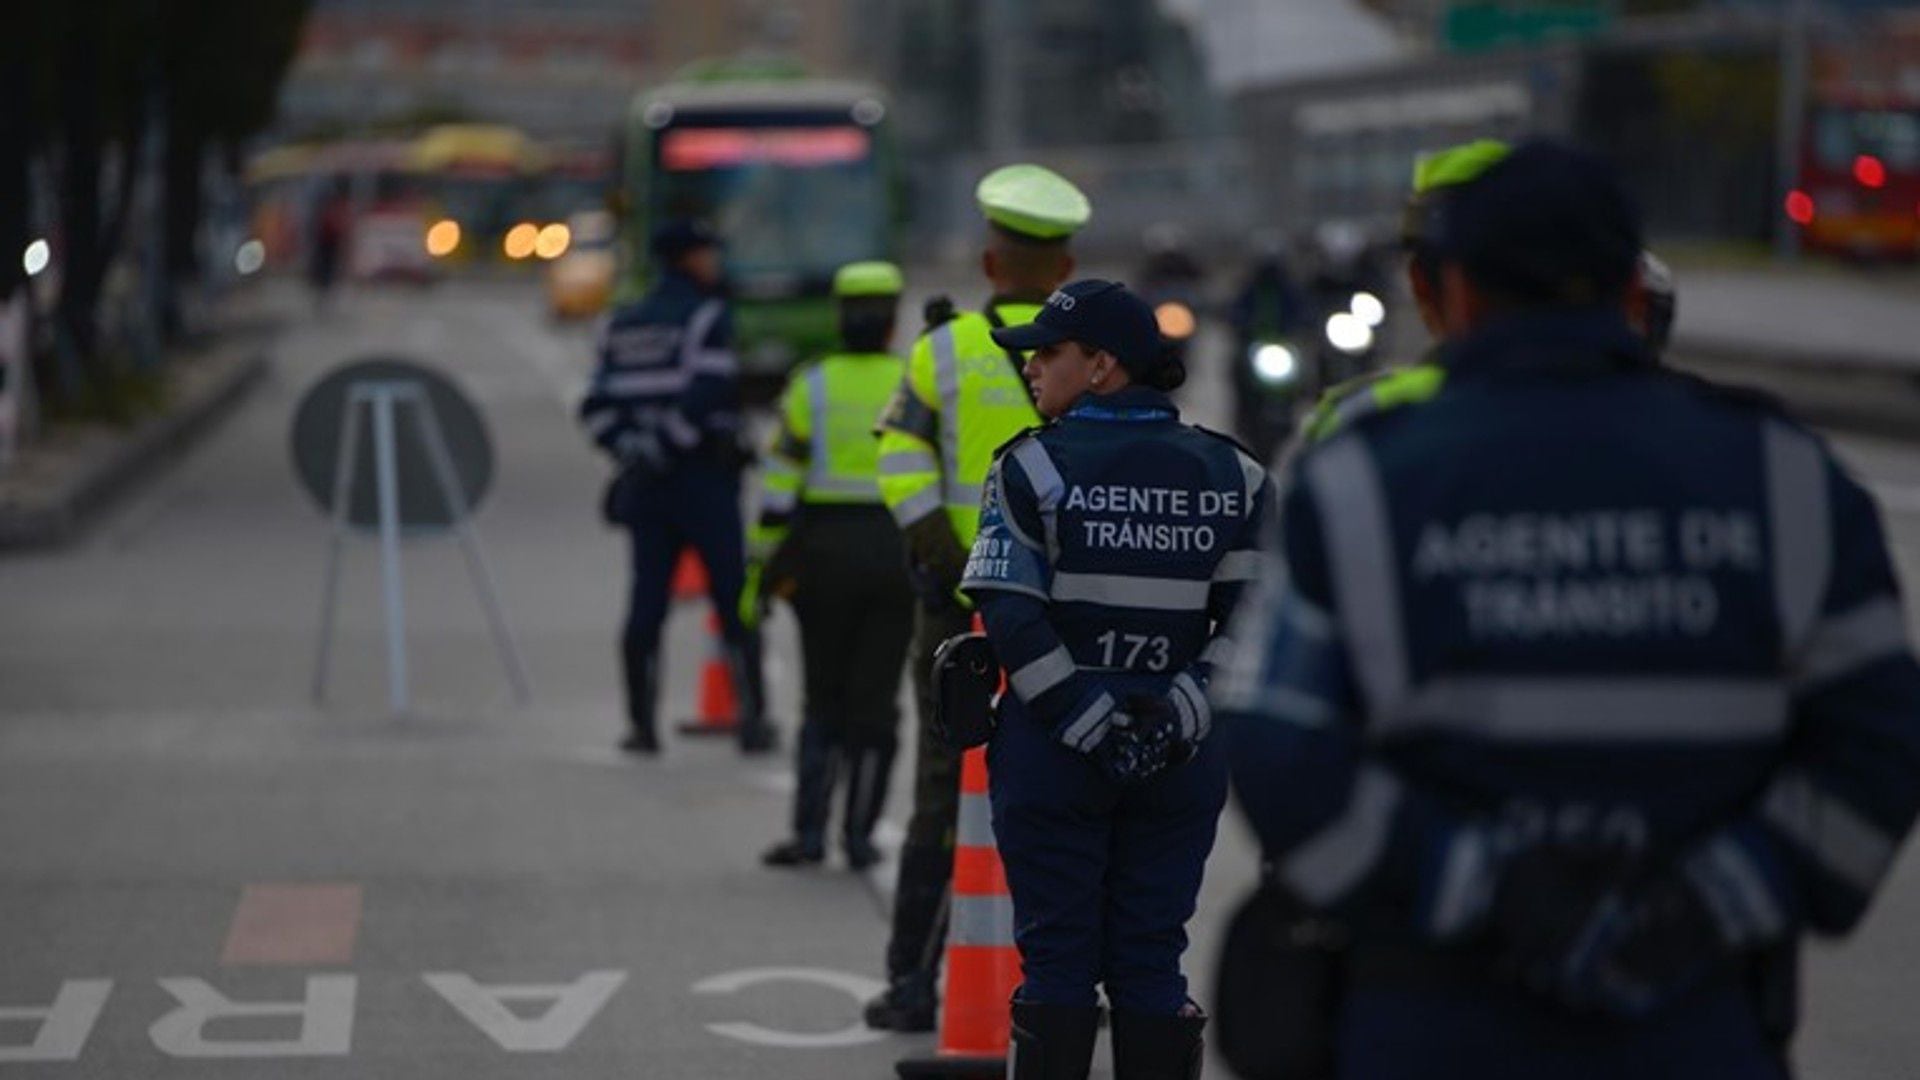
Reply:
x=1113, y=544
x=666, y=387
x=1576, y=599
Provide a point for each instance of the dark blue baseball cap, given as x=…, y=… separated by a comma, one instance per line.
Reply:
x=1548, y=223
x=674, y=238
x=1100, y=314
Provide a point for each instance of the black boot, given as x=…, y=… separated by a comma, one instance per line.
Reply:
x=743, y=662
x=643, y=695
x=1152, y=1047
x=1052, y=1042
x=909, y=1003
x=816, y=766
x=868, y=770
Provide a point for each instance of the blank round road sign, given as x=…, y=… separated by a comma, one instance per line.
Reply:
x=318, y=425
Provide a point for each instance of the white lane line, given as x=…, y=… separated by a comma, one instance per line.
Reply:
x=556, y=363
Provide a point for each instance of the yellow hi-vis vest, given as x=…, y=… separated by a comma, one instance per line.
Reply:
x=824, y=450
x=960, y=400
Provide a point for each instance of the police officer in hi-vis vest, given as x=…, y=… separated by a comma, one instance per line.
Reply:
x=825, y=541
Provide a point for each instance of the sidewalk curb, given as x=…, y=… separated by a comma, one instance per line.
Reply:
x=78, y=488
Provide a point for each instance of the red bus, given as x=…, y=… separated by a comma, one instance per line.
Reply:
x=1858, y=192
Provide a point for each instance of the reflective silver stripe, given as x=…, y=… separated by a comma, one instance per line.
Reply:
x=1239, y=566
x=1091, y=725
x=1121, y=590
x=972, y=584
x=1466, y=884
x=817, y=416
x=997, y=480
x=959, y=494
x=912, y=510
x=1841, y=644
x=1797, y=513
x=680, y=430
x=908, y=463
x=1048, y=489
x=1196, y=718
x=1044, y=674
x=1329, y=864
x=981, y=920
x=946, y=380
x=600, y=422
x=1306, y=617
x=638, y=383
x=1623, y=709
x=855, y=487
x=1359, y=542
x=974, y=826
x=693, y=342
x=1735, y=892
x=1252, y=475
x=778, y=501
x=1849, y=846
x=1218, y=650
x=713, y=362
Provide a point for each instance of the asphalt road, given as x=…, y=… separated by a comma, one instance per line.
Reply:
x=208, y=874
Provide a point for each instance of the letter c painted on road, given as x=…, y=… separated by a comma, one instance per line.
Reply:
x=857, y=987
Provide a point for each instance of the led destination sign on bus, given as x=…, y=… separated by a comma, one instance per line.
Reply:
x=695, y=149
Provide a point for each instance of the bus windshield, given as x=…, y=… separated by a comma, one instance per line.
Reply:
x=789, y=198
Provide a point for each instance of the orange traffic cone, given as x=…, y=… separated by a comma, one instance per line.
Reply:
x=983, y=967
x=718, y=711
x=689, y=576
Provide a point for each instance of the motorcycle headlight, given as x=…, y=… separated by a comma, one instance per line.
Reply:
x=1274, y=363
x=1368, y=308
x=1349, y=333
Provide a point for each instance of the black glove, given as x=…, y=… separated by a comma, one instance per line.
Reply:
x=1587, y=930
x=1157, y=727
x=1123, y=757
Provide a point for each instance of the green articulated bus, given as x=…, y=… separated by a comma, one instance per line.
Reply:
x=796, y=174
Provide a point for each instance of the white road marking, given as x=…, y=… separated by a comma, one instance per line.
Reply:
x=572, y=1006
x=64, y=1025
x=858, y=987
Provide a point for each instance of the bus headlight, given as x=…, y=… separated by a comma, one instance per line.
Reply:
x=443, y=237
x=1274, y=363
x=552, y=242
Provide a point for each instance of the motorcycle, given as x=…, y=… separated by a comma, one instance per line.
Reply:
x=1272, y=384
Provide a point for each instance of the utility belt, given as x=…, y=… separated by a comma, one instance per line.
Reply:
x=1285, y=973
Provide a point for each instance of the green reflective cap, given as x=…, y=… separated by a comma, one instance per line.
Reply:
x=1457, y=164
x=1032, y=200
x=868, y=279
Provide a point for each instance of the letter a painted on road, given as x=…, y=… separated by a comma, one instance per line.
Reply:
x=326, y=1021
x=573, y=1007
x=64, y=1025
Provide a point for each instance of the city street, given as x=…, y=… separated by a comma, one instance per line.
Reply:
x=208, y=874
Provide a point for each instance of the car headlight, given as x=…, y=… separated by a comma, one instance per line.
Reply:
x=1175, y=320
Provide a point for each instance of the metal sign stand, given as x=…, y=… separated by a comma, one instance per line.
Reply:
x=383, y=399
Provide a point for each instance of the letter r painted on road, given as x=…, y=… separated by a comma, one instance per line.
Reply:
x=64, y=1025
x=573, y=1006
x=326, y=1021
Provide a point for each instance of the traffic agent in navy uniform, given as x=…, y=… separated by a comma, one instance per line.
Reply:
x=1113, y=542
x=1580, y=690
x=664, y=403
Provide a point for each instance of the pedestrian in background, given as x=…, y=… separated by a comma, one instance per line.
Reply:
x=664, y=404
x=824, y=540
x=962, y=396
x=1114, y=542
x=1580, y=692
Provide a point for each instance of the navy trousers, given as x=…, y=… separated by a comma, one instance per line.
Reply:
x=1103, y=877
x=697, y=505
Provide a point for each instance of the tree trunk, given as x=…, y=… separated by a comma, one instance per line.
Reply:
x=182, y=211
x=83, y=263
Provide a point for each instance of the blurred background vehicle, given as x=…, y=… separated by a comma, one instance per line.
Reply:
x=796, y=175
x=580, y=279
